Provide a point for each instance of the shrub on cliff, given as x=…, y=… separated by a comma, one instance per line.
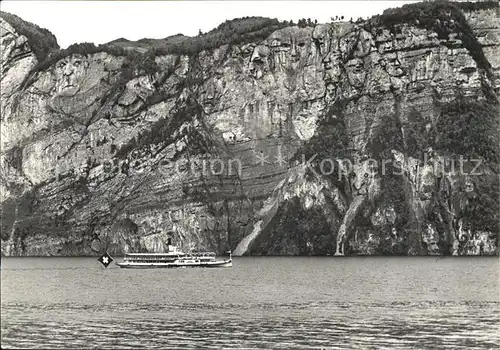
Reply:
x=469, y=128
x=14, y=157
x=41, y=41
x=81, y=49
x=483, y=211
x=236, y=31
x=8, y=217
x=442, y=17
x=329, y=142
x=294, y=230
x=392, y=188
x=388, y=137
x=416, y=137
x=431, y=15
x=477, y=5
x=15, y=211
x=304, y=23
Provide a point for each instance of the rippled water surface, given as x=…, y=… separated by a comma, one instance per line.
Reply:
x=328, y=302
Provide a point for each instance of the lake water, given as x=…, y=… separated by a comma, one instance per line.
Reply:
x=281, y=302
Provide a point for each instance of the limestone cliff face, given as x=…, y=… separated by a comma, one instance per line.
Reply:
x=233, y=147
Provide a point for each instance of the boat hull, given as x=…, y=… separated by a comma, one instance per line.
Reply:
x=209, y=264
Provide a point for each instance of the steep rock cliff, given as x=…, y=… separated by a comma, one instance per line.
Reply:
x=330, y=139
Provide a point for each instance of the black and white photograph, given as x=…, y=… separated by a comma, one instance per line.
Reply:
x=250, y=174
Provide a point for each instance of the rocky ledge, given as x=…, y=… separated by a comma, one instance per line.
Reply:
x=368, y=137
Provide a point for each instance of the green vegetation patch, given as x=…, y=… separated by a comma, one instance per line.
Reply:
x=330, y=141
x=436, y=16
x=17, y=211
x=295, y=231
x=478, y=5
x=41, y=41
x=470, y=128
x=237, y=31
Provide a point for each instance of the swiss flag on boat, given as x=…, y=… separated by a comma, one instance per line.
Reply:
x=105, y=259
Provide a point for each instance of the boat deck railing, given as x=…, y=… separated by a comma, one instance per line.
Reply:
x=201, y=254
x=168, y=257
x=170, y=254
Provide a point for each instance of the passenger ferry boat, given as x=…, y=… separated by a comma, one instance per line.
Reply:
x=173, y=258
